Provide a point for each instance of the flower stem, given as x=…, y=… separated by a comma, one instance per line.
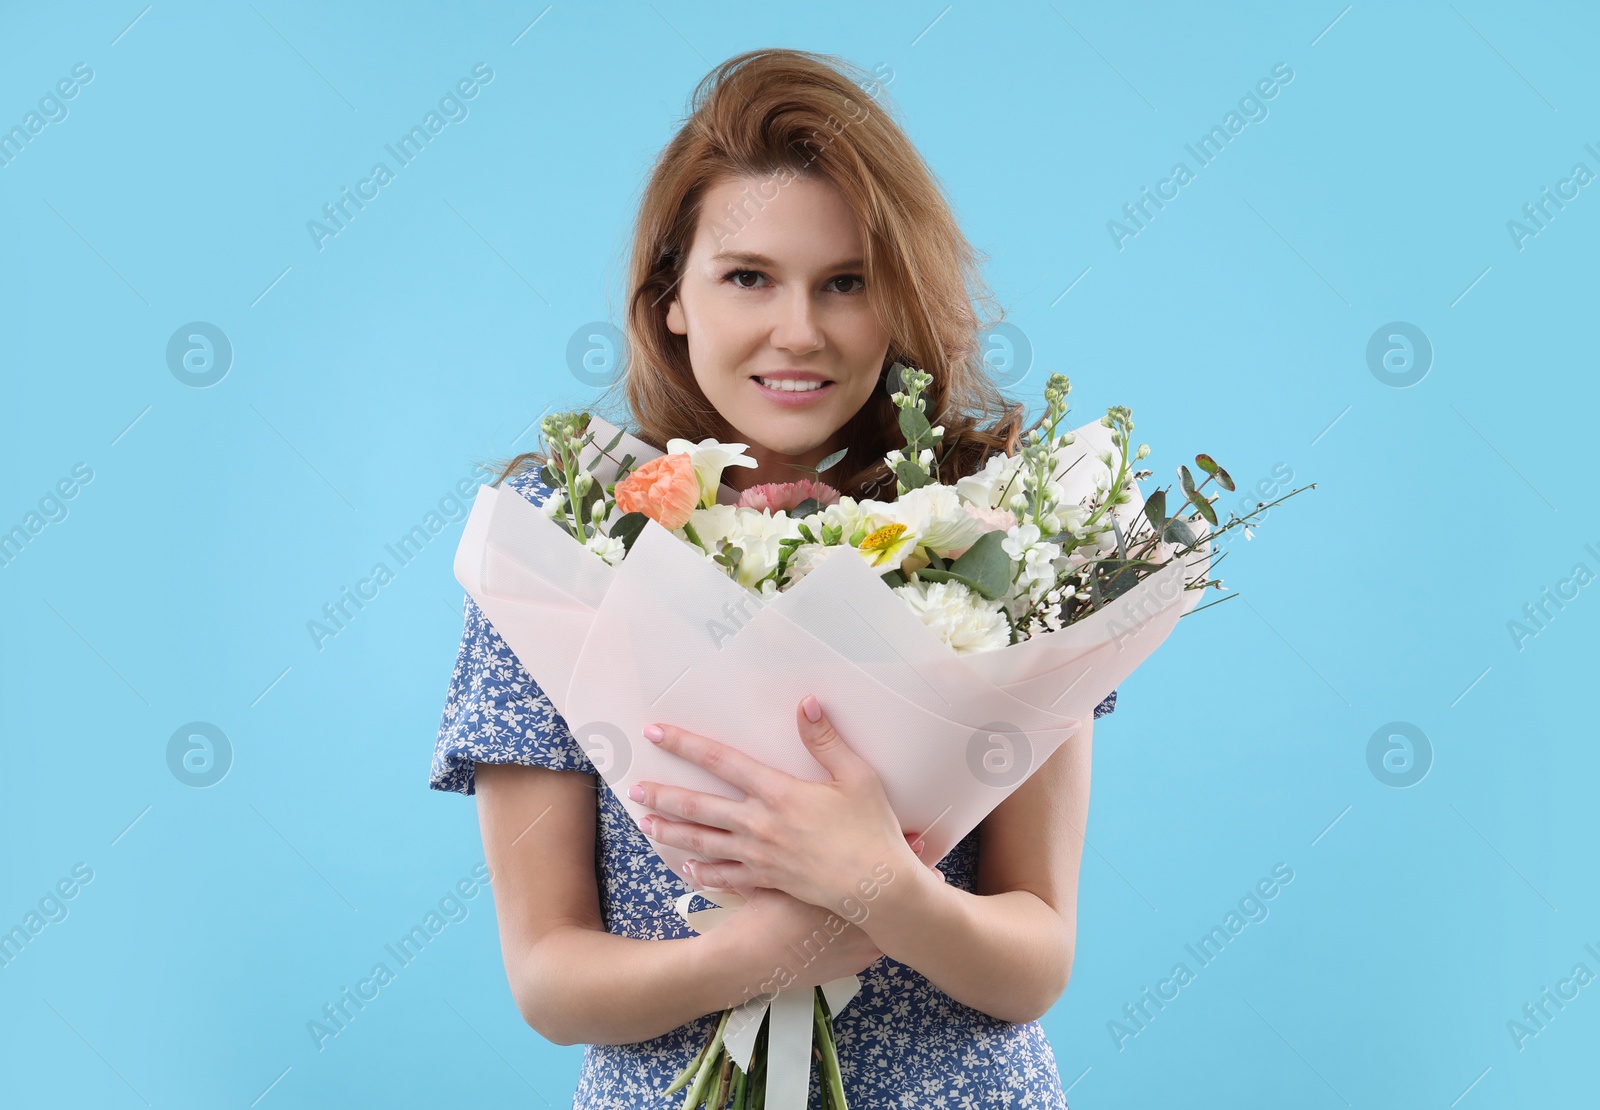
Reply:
x=698, y=1089
x=692, y=1068
x=832, y=1079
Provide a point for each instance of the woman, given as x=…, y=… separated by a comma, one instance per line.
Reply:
x=791, y=246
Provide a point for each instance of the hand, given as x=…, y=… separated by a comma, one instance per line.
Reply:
x=828, y=843
x=791, y=944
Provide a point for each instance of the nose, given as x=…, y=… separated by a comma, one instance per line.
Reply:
x=797, y=328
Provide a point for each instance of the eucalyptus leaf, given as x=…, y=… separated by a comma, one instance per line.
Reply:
x=910, y=474
x=984, y=567
x=1178, y=531
x=1186, y=480
x=832, y=459
x=805, y=508
x=1224, y=480
x=914, y=425
x=892, y=381
x=1203, y=507
x=1155, y=509
x=1114, y=577
x=893, y=577
x=1205, y=462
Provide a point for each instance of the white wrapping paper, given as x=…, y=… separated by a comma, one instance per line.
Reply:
x=667, y=636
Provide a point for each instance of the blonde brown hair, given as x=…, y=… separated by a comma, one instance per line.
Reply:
x=770, y=114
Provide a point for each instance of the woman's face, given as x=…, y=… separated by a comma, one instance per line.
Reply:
x=773, y=294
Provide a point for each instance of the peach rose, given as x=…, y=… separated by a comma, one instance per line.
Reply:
x=664, y=489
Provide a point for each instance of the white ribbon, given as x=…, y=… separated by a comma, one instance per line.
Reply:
x=790, y=1034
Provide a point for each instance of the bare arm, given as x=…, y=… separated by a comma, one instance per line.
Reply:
x=576, y=983
x=1006, y=950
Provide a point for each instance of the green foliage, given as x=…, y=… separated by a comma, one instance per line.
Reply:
x=627, y=528
x=984, y=567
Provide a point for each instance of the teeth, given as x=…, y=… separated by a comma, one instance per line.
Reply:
x=790, y=385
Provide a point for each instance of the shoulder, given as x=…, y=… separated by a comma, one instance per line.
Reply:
x=526, y=481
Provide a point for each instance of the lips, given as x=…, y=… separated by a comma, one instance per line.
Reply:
x=794, y=385
x=792, y=389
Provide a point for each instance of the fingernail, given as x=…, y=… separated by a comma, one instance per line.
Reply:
x=644, y=824
x=636, y=792
x=653, y=732
x=813, y=710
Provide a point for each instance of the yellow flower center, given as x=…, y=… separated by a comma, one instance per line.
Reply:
x=883, y=538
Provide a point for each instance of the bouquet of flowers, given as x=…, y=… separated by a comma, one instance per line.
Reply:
x=1032, y=542
x=1016, y=599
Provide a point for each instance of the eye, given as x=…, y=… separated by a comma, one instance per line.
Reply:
x=861, y=282
x=734, y=276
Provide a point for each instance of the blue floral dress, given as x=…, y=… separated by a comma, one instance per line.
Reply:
x=901, y=1040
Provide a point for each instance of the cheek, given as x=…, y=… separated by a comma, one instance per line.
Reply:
x=862, y=336
x=863, y=341
x=720, y=338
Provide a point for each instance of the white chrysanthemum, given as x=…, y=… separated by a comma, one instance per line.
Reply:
x=959, y=617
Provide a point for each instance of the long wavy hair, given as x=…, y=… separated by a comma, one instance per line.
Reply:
x=767, y=114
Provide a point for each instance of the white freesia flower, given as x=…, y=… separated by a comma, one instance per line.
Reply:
x=959, y=617
x=807, y=557
x=983, y=488
x=754, y=532
x=554, y=503
x=709, y=459
x=757, y=534
x=713, y=524
x=847, y=514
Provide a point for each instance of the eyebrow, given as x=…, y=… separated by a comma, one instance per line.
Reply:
x=749, y=258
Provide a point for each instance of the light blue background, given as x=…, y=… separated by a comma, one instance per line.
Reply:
x=431, y=332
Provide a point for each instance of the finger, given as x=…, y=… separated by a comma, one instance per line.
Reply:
x=726, y=762
x=721, y=874
x=702, y=840
x=823, y=741
x=691, y=805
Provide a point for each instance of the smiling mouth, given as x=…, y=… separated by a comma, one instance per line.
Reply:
x=792, y=385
